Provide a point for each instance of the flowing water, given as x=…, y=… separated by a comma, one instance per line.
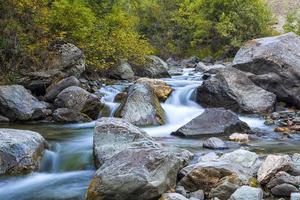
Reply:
x=67, y=167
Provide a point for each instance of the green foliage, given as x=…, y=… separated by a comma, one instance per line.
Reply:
x=293, y=22
x=112, y=30
x=203, y=26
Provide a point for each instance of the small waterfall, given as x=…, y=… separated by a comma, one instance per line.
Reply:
x=179, y=107
x=109, y=93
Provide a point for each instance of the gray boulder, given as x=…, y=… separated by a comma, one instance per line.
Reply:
x=20, y=151
x=113, y=135
x=142, y=107
x=155, y=67
x=131, y=164
x=18, y=104
x=123, y=71
x=80, y=100
x=247, y=193
x=215, y=143
x=55, y=88
x=66, y=115
x=214, y=121
x=274, y=64
x=232, y=89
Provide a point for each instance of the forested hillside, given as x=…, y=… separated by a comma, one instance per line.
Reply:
x=109, y=31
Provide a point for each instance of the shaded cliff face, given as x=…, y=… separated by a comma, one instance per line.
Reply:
x=281, y=8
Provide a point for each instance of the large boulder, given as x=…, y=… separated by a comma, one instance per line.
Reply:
x=142, y=107
x=131, y=164
x=18, y=104
x=161, y=89
x=232, y=89
x=20, y=151
x=272, y=165
x=155, y=67
x=79, y=100
x=65, y=60
x=275, y=65
x=113, y=135
x=55, y=88
x=214, y=121
x=123, y=71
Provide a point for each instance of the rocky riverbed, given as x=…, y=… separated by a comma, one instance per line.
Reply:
x=194, y=129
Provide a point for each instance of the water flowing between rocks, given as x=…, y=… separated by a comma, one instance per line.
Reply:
x=68, y=167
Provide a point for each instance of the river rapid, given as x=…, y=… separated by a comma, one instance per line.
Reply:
x=67, y=167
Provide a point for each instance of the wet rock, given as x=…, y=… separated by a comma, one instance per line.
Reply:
x=272, y=165
x=232, y=89
x=274, y=63
x=80, y=100
x=247, y=193
x=17, y=104
x=55, y=88
x=172, y=196
x=4, y=119
x=154, y=68
x=131, y=164
x=213, y=121
x=284, y=190
x=295, y=196
x=160, y=88
x=20, y=151
x=215, y=143
x=142, y=107
x=239, y=137
x=123, y=71
x=120, y=97
x=67, y=115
